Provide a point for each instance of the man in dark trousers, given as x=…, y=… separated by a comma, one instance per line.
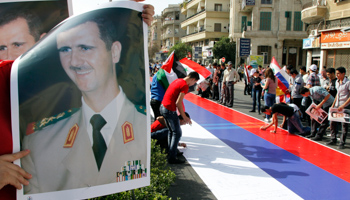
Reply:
x=294, y=123
x=173, y=99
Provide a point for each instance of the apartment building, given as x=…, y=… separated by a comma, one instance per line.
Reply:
x=274, y=28
x=206, y=21
x=171, y=30
x=154, y=37
x=328, y=41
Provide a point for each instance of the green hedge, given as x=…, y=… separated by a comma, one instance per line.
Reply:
x=161, y=179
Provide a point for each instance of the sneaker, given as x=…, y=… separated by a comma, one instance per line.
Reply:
x=332, y=142
x=310, y=136
x=176, y=161
x=341, y=146
x=317, y=138
x=266, y=120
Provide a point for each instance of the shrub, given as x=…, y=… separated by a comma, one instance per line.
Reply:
x=161, y=179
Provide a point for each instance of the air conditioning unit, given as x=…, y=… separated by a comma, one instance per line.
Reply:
x=314, y=33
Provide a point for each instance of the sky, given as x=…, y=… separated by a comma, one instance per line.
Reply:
x=160, y=5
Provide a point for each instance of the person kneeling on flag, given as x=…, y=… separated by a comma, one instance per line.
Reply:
x=290, y=111
x=173, y=99
x=160, y=132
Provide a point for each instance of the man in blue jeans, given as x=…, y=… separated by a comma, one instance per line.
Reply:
x=290, y=111
x=173, y=99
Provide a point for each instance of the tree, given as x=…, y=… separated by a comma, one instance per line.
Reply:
x=152, y=51
x=225, y=48
x=181, y=50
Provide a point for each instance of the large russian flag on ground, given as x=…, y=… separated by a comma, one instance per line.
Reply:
x=282, y=76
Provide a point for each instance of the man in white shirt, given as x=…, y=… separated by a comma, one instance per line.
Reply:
x=230, y=78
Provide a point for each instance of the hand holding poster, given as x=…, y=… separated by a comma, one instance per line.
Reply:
x=80, y=96
x=317, y=114
x=335, y=115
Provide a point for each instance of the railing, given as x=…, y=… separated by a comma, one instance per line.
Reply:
x=315, y=3
x=195, y=14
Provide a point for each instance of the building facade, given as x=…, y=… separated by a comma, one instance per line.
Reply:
x=328, y=27
x=154, y=38
x=206, y=21
x=171, y=30
x=274, y=28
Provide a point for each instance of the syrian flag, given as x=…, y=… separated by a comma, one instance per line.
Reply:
x=282, y=76
x=191, y=66
x=170, y=71
x=174, y=69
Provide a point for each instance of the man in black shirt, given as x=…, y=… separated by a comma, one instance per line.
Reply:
x=291, y=111
x=332, y=80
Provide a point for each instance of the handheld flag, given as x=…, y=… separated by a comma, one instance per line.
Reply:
x=191, y=66
x=281, y=75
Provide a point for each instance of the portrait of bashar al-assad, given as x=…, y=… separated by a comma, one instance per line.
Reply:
x=344, y=116
x=22, y=24
x=100, y=136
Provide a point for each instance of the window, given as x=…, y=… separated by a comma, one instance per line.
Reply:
x=266, y=1
x=217, y=27
x=218, y=7
x=266, y=52
x=298, y=24
x=177, y=15
x=289, y=21
x=244, y=24
x=265, y=21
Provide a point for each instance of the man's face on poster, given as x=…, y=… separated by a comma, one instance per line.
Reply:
x=85, y=58
x=15, y=39
x=337, y=115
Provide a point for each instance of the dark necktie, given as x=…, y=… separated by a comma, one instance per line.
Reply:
x=99, y=145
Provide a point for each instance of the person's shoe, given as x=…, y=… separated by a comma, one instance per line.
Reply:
x=310, y=136
x=252, y=111
x=266, y=120
x=332, y=142
x=176, y=161
x=341, y=146
x=179, y=153
x=317, y=138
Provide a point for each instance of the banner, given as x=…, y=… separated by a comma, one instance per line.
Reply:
x=79, y=105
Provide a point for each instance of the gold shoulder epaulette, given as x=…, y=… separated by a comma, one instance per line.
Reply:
x=36, y=126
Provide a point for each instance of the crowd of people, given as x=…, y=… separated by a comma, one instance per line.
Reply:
x=325, y=88
x=329, y=88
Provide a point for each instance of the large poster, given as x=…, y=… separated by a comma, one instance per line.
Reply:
x=79, y=105
x=335, y=115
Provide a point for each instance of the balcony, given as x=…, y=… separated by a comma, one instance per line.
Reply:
x=170, y=35
x=201, y=35
x=247, y=5
x=170, y=10
x=314, y=11
x=205, y=14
